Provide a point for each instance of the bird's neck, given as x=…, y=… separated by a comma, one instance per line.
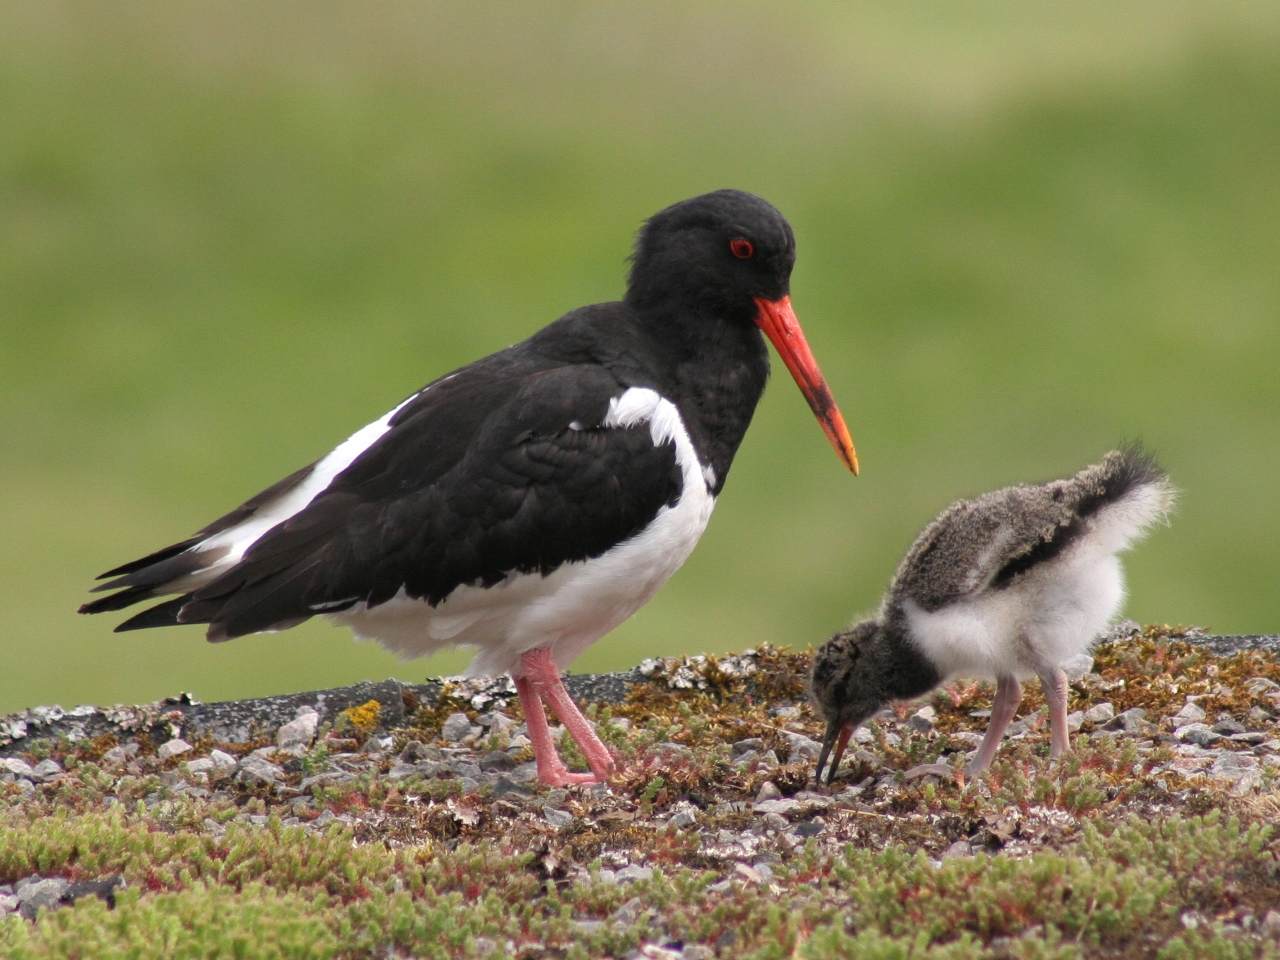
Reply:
x=907, y=671
x=717, y=369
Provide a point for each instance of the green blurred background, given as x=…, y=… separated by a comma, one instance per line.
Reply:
x=233, y=233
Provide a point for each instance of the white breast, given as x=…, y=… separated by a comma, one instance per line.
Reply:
x=1052, y=613
x=574, y=605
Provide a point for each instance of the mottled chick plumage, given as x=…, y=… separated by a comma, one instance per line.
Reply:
x=1008, y=585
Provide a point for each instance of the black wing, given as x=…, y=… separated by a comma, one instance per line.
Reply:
x=482, y=476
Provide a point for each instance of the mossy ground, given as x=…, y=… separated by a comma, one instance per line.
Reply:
x=1096, y=856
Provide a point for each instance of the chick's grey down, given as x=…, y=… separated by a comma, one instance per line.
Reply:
x=1005, y=586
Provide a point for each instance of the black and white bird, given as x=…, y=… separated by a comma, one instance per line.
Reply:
x=526, y=504
x=1006, y=586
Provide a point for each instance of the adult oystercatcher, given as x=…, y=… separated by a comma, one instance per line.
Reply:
x=530, y=502
x=1007, y=586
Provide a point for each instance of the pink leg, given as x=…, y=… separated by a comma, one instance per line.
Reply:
x=551, y=768
x=1003, y=707
x=541, y=670
x=1054, y=684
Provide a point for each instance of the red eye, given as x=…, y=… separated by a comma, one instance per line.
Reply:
x=742, y=249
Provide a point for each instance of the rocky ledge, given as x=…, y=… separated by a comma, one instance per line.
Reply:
x=716, y=759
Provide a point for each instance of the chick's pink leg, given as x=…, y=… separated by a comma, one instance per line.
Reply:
x=1054, y=684
x=1003, y=707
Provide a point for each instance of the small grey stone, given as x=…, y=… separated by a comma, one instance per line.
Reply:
x=768, y=791
x=40, y=893
x=501, y=724
x=1271, y=924
x=803, y=748
x=257, y=770
x=121, y=754
x=697, y=951
x=556, y=796
x=200, y=765
x=683, y=814
x=1131, y=721
x=682, y=819
x=745, y=760
x=525, y=773
x=781, y=807
x=506, y=787
x=557, y=818
x=456, y=727
x=1191, y=712
x=810, y=829
x=19, y=768
x=47, y=769
x=923, y=719
x=1075, y=720
x=8, y=904
x=775, y=821
x=483, y=946
x=415, y=751
x=326, y=817
x=299, y=732
x=961, y=848
x=402, y=771
x=1100, y=712
x=498, y=762
x=1228, y=727
x=222, y=762
x=172, y=748
x=786, y=712
x=1077, y=667
x=1198, y=733
x=746, y=746
x=634, y=872
x=1230, y=764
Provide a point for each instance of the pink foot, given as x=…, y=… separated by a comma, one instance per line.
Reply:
x=542, y=679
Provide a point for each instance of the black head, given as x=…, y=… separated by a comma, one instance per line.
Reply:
x=715, y=253
x=847, y=686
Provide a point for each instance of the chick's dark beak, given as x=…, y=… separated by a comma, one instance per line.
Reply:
x=837, y=738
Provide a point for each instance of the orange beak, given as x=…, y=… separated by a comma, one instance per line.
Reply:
x=779, y=323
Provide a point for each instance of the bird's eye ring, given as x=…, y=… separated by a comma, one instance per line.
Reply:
x=742, y=248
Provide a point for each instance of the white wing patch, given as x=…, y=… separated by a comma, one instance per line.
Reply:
x=238, y=539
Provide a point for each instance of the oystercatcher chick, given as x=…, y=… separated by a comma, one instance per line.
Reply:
x=1005, y=586
x=526, y=504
